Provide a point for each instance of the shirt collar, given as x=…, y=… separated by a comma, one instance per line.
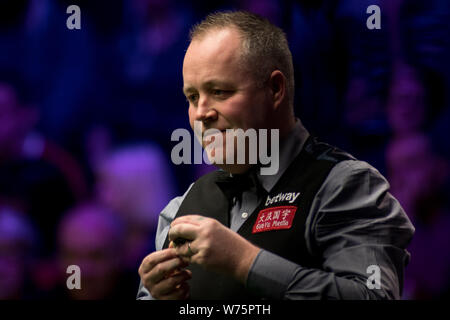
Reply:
x=290, y=147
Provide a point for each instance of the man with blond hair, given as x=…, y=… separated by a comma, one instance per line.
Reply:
x=324, y=226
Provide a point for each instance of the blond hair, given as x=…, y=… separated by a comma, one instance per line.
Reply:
x=264, y=45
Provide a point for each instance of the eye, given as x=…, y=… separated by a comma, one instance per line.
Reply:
x=192, y=98
x=222, y=94
x=218, y=92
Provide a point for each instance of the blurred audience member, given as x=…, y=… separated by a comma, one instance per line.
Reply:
x=36, y=175
x=135, y=182
x=98, y=144
x=152, y=38
x=18, y=243
x=91, y=237
x=417, y=177
x=156, y=29
x=406, y=104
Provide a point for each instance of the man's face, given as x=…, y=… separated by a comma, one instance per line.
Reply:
x=221, y=93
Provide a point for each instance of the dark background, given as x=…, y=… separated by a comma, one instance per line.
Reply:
x=86, y=118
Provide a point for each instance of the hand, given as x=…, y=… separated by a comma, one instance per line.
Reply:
x=163, y=275
x=213, y=246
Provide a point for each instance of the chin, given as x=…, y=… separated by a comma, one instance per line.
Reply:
x=234, y=168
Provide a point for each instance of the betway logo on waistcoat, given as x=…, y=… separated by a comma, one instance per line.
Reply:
x=288, y=196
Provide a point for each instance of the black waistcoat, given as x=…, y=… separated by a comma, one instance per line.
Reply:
x=305, y=175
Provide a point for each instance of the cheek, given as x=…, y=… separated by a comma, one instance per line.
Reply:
x=257, y=110
x=242, y=112
x=191, y=116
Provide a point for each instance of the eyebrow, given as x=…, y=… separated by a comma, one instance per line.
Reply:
x=207, y=85
x=187, y=90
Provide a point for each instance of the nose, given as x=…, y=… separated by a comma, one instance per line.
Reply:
x=204, y=112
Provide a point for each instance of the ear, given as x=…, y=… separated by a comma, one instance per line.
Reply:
x=277, y=84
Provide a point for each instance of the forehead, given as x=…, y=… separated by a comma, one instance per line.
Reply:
x=215, y=55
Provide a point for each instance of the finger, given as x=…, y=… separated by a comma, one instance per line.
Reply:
x=174, y=281
x=169, y=285
x=184, y=230
x=163, y=270
x=150, y=261
x=186, y=250
x=178, y=271
x=180, y=293
x=192, y=219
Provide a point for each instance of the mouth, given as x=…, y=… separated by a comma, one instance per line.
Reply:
x=212, y=133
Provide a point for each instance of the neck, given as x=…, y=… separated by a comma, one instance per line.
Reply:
x=282, y=118
x=286, y=127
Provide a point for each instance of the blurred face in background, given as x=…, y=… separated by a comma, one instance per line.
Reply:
x=90, y=239
x=15, y=122
x=12, y=269
x=16, y=239
x=10, y=128
x=415, y=173
x=135, y=183
x=406, y=105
